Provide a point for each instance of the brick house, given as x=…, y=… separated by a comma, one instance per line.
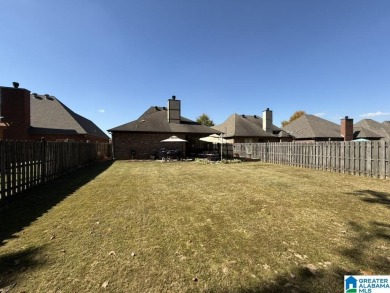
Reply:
x=26, y=116
x=141, y=138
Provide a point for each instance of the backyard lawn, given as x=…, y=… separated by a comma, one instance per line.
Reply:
x=190, y=227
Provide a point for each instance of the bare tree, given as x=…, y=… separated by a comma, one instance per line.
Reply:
x=293, y=117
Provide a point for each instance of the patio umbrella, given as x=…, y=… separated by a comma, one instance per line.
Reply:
x=173, y=138
x=361, y=139
x=214, y=138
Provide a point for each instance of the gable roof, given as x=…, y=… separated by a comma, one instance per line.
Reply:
x=244, y=126
x=310, y=126
x=382, y=129
x=50, y=116
x=155, y=120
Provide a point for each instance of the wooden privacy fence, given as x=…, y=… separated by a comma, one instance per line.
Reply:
x=25, y=164
x=369, y=159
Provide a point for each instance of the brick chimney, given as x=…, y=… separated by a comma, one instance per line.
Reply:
x=267, y=120
x=347, y=128
x=173, y=110
x=15, y=112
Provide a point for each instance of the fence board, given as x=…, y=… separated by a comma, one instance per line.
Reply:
x=369, y=159
x=25, y=164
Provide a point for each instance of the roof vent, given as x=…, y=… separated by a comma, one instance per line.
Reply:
x=173, y=97
x=243, y=115
x=15, y=84
x=47, y=97
x=164, y=108
x=255, y=116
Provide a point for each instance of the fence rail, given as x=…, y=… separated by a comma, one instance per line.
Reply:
x=369, y=159
x=24, y=164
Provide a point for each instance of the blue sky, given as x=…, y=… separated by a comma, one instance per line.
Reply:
x=111, y=60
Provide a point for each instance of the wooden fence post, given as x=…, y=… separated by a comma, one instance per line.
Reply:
x=2, y=166
x=382, y=159
x=43, y=160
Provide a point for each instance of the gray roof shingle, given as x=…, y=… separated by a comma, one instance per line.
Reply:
x=50, y=116
x=382, y=129
x=155, y=120
x=362, y=132
x=244, y=126
x=310, y=127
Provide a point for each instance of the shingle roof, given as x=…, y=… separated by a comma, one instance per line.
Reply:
x=283, y=133
x=310, y=126
x=155, y=120
x=50, y=116
x=152, y=110
x=258, y=120
x=244, y=126
x=382, y=129
x=362, y=132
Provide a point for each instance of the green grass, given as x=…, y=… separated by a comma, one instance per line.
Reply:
x=190, y=227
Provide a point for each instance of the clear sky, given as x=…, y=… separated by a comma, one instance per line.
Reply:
x=111, y=60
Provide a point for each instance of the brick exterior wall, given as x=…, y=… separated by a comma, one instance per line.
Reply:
x=141, y=146
x=15, y=109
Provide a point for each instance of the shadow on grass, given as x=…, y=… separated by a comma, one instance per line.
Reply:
x=14, y=264
x=303, y=281
x=374, y=197
x=28, y=206
x=366, y=252
x=363, y=252
x=365, y=255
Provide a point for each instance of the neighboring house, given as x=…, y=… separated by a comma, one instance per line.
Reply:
x=252, y=128
x=372, y=130
x=26, y=116
x=364, y=133
x=310, y=128
x=141, y=138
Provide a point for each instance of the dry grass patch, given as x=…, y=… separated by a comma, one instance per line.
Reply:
x=182, y=227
